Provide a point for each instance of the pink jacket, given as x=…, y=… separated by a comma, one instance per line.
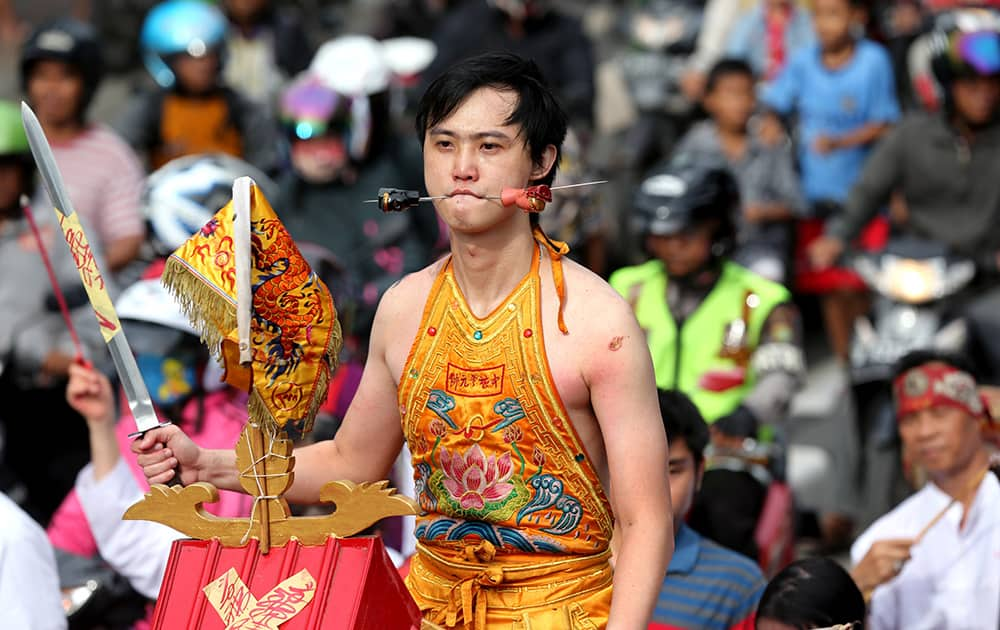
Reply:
x=225, y=414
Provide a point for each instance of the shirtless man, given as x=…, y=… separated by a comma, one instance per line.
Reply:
x=476, y=361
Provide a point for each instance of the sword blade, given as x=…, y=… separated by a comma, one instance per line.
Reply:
x=139, y=401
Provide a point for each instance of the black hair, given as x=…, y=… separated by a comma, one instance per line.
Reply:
x=812, y=593
x=683, y=421
x=542, y=120
x=917, y=358
x=727, y=68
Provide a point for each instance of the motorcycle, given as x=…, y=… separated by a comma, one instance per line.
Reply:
x=94, y=597
x=662, y=34
x=911, y=281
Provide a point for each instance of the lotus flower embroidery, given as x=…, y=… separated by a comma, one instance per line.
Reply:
x=475, y=480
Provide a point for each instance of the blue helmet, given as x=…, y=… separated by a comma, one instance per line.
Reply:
x=192, y=27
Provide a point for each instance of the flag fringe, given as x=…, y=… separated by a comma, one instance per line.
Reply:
x=210, y=314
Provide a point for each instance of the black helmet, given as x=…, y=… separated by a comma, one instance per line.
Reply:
x=69, y=41
x=684, y=194
x=965, y=43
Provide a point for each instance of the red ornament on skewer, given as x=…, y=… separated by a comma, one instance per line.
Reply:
x=530, y=199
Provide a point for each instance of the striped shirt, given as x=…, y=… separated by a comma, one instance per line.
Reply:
x=708, y=587
x=104, y=180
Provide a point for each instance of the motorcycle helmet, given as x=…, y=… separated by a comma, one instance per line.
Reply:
x=310, y=109
x=180, y=26
x=182, y=195
x=353, y=65
x=962, y=43
x=356, y=69
x=966, y=44
x=71, y=42
x=682, y=195
x=14, y=143
x=167, y=348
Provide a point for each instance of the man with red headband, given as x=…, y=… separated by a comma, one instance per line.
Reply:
x=922, y=570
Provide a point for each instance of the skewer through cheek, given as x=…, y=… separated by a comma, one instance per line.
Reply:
x=530, y=199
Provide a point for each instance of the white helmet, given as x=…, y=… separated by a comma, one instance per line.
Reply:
x=155, y=323
x=352, y=65
x=183, y=194
x=408, y=56
x=149, y=301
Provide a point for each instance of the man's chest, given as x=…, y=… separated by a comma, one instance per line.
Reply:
x=559, y=358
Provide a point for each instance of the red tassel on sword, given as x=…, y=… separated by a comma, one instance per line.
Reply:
x=80, y=358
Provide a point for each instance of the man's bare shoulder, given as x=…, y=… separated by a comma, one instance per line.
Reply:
x=591, y=299
x=408, y=293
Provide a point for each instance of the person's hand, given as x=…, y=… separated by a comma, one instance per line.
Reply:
x=56, y=364
x=89, y=394
x=693, y=85
x=12, y=30
x=825, y=251
x=770, y=130
x=160, y=451
x=753, y=214
x=824, y=144
x=723, y=441
x=882, y=563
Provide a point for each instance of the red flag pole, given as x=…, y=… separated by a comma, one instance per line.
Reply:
x=52, y=280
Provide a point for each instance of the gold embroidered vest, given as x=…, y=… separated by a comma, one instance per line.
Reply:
x=495, y=455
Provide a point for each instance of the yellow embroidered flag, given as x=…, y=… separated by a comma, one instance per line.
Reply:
x=294, y=333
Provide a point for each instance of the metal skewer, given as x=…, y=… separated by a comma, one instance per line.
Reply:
x=422, y=199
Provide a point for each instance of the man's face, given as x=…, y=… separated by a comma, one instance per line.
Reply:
x=943, y=439
x=731, y=101
x=55, y=90
x=242, y=11
x=685, y=252
x=685, y=479
x=472, y=154
x=976, y=99
x=196, y=75
x=319, y=160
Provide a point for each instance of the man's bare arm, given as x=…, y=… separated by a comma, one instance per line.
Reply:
x=369, y=439
x=619, y=373
x=364, y=449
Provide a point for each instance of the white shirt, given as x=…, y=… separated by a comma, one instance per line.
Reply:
x=952, y=581
x=137, y=550
x=30, y=598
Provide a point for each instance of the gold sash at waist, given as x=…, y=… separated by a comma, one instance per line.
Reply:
x=472, y=587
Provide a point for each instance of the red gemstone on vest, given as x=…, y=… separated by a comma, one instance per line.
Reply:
x=432, y=331
x=527, y=332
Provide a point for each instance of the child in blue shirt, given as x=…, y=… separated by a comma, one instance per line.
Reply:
x=841, y=90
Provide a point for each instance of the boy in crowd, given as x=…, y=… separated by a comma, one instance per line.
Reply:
x=842, y=92
x=707, y=585
x=769, y=186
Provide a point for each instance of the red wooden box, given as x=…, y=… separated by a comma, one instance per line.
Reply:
x=355, y=586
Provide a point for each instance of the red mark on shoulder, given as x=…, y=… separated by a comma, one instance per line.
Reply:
x=615, y=343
